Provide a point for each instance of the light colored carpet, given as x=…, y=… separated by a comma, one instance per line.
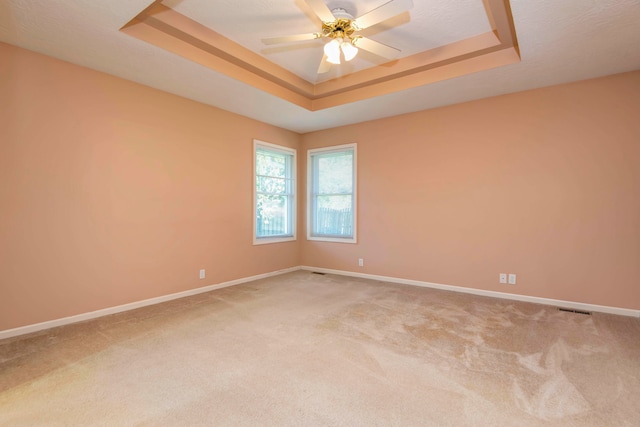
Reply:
x=308, y=349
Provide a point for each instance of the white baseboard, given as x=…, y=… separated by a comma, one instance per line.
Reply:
x=132, y=306
x=494, y=294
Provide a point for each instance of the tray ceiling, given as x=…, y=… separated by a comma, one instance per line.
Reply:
x=485, y=38
x=558, y=42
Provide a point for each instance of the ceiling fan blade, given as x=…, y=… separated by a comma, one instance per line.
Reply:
x=293, y=38
x=325, y=66
x=382, y=13
x=376, y=48
x=322, y=10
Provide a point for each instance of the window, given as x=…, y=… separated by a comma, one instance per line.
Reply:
x=274, y=198
x=331, y=214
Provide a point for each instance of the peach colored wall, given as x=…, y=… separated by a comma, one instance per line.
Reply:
x=112, y=192
x=544, y=184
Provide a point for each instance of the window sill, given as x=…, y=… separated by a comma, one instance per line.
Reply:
x=269, y=240
x=351, y=240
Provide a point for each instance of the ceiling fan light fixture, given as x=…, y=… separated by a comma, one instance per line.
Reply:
x=332, y=50
x=349, y=50
x=339, y=26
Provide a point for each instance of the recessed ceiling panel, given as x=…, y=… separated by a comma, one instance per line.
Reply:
x=429, y=24
x=239, y=52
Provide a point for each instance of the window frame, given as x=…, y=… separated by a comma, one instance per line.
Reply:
x=310, y=197
x=280, y=149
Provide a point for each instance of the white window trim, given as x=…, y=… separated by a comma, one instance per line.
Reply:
x=343, y=147
x=289, y=151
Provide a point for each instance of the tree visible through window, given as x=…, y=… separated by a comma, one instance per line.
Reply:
x=332, y=194
x=274, y=178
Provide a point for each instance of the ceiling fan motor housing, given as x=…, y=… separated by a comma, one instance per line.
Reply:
x=341, y=13
x=340, y=28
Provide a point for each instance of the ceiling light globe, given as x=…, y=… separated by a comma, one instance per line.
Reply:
x=349, y=51
x=332, y=50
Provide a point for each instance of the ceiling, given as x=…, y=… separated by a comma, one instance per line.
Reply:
x=428, y=24
x=557, y=42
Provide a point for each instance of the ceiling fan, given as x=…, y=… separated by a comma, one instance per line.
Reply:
x=341, y=27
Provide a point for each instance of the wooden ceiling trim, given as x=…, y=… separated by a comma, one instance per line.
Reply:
x=174, y=32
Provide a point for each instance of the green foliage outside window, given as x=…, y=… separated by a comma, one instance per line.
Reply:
x=274, y=193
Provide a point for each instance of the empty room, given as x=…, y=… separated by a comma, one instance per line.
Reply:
x=320, y=213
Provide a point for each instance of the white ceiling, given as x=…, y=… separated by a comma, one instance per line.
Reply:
x=429, y=24
x=560, y=41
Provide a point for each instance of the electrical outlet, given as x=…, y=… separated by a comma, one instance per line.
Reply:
x=360, y=262
x=202, y=273
x=503, y=277
x=512, y=279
